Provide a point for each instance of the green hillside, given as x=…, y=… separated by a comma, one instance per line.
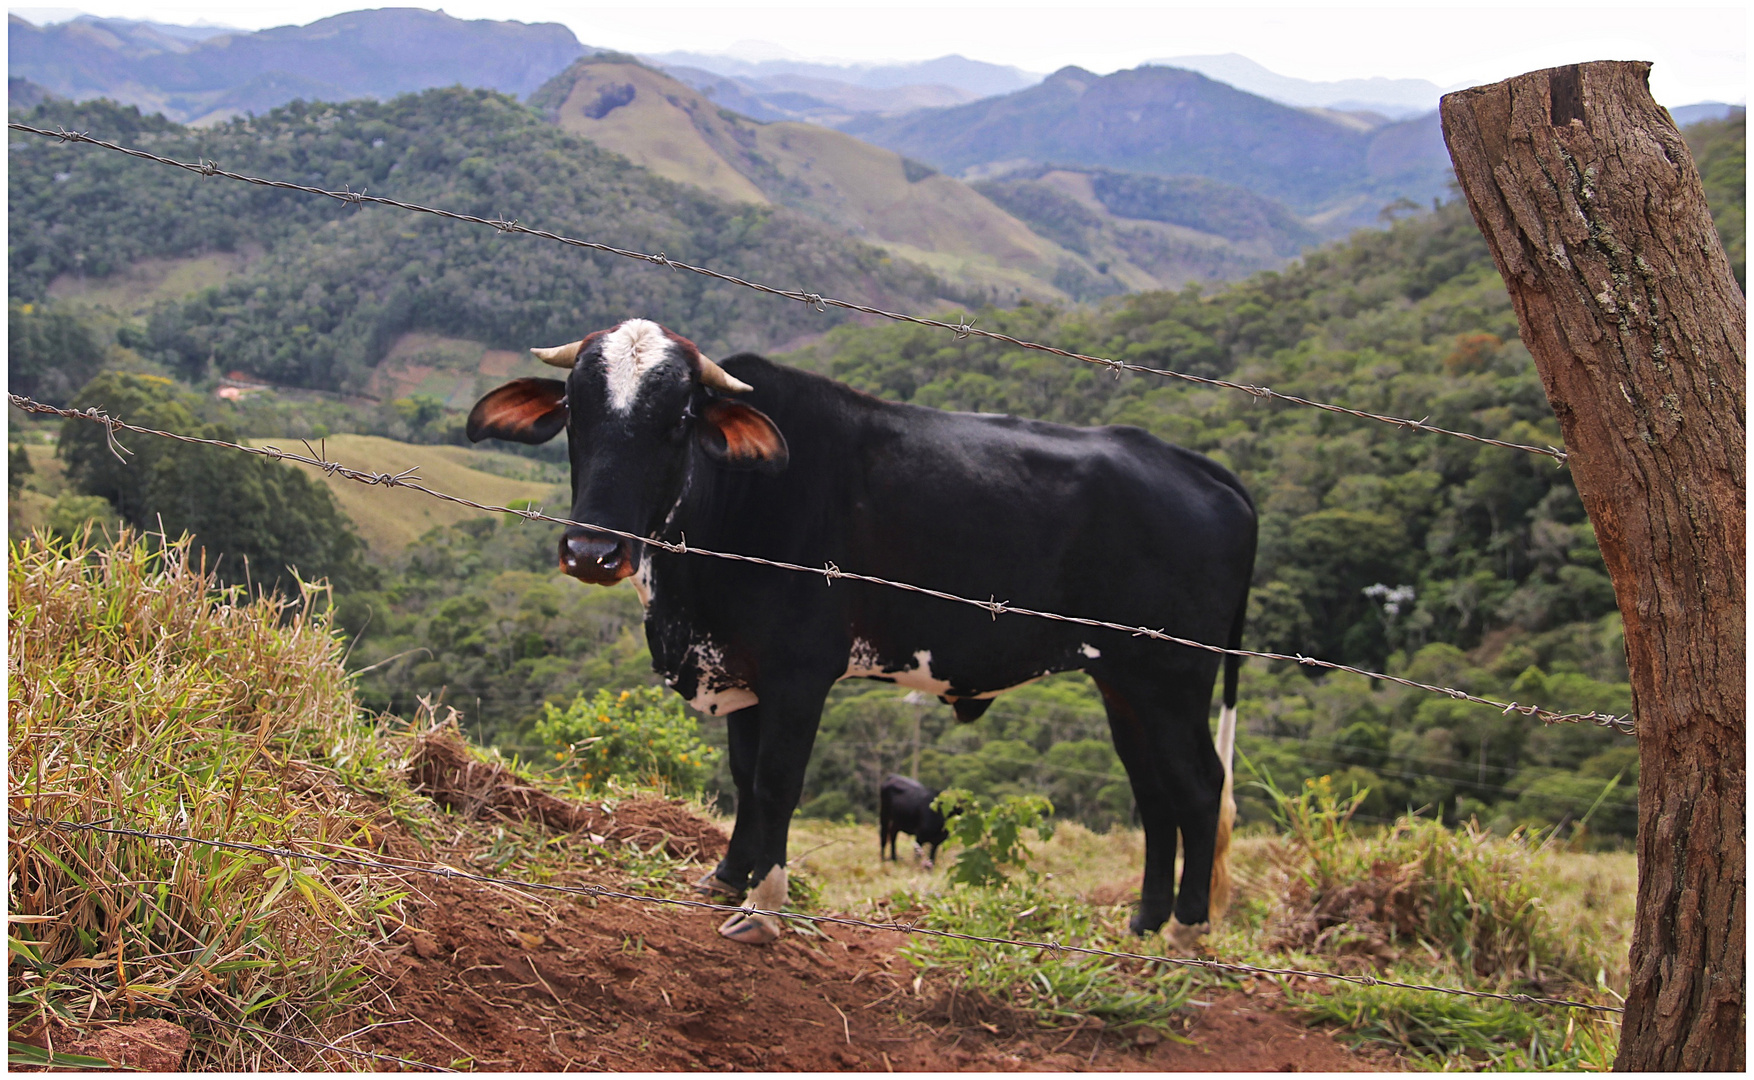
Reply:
x=1720, y=148
x=1141, y=232
x=390, y=519
x=336, y=287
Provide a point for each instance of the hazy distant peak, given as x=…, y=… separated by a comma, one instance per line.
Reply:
x=757, y=51
x=976, y=77
x=1396, y=98
x=199, y=31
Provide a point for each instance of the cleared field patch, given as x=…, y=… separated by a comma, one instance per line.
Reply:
x=133, y=290
x=454, y=370
x=389, y=519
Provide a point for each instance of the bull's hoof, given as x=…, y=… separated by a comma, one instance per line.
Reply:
x=747, y=929
x=1144, y=925
x=1183, y=938
x=714, y=885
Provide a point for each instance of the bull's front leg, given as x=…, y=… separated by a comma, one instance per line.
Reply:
x=786, y=720
x=731, y=877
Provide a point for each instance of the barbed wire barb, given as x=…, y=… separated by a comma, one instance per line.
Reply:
x=819, y=302
x=992, y=605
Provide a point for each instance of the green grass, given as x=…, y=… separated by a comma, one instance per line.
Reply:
x=1558, y=922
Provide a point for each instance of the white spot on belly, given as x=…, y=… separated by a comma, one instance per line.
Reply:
x=1090, y=652
x=863, y=663
x=715, y=694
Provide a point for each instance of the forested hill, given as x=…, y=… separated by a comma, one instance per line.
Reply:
x=336, y=285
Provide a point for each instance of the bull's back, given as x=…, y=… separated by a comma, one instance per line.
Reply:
x=1046, y=515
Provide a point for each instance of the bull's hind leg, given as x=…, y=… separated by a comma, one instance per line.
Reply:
x=1161, y=735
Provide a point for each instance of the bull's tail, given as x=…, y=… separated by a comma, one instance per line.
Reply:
x=1225, y=744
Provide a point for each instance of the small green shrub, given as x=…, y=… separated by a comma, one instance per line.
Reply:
x=642, y=736
x=991, y=836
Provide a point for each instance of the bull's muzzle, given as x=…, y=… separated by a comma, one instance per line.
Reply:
x=599, y=558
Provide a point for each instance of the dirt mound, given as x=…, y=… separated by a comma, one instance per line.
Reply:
x=443, y=768
x=493, y=977
x=503, y=981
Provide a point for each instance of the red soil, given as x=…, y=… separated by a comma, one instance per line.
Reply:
x=511, y=981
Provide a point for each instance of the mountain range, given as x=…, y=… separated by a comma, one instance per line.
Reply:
x=1004, y=184
x=202, y=79
x=1335, y=166
x=1029, y=238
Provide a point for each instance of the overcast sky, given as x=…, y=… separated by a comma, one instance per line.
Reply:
x=1700, y=52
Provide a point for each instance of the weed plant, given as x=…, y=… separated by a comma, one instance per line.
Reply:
x=1420, y=902
x=1053, y=987
x=991, y=834
x=144, y=697
x=641, y=736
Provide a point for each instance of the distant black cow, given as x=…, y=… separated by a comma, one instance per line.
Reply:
x=758, y=459
x=904, y=805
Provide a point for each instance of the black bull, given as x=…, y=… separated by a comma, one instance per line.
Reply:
x=1107, y=523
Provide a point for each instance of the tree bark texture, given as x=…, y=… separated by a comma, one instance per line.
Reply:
x=1594, y=212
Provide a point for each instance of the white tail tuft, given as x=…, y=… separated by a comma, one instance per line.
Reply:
x=1225, y=744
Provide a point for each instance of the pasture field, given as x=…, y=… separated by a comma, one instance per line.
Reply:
x=389, y=519
x=146, y=699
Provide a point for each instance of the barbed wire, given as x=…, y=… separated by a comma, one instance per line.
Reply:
x=607, y=893
x=963, y=328
x=829, y=572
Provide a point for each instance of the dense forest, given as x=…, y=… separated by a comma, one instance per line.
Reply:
x=337, y=284
x=1451, y=562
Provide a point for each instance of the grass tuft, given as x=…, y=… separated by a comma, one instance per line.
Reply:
x=146, y=698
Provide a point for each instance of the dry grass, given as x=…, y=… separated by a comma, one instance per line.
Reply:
x=842, y=860
x=143, y=697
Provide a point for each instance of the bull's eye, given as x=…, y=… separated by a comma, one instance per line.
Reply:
x=679, y=430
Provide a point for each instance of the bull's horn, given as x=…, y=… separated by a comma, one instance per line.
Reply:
x=718, y=378
x=560, y=355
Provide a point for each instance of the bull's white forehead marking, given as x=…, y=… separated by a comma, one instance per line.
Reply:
x=629, y=352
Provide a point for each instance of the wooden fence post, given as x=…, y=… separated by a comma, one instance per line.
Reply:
x=1594, y=212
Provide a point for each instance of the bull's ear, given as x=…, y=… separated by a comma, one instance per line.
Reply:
x=525, y=410
x=739, y=436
